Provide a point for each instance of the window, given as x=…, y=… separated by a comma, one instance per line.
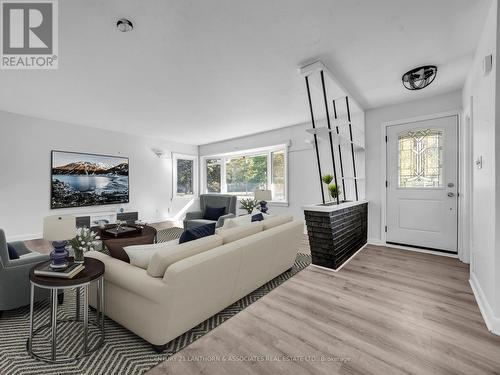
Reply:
x=244, y=172
x=213, y=173
x=184, y=175
x=421, y=158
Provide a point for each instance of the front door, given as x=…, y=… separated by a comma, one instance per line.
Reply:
x=422, y=176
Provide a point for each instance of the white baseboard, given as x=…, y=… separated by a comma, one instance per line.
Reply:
x=375, y=241
x=492, y=321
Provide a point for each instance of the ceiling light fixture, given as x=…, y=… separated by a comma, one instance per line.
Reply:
x=124, y=25
x=418, y=78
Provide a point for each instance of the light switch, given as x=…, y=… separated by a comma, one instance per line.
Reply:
x=479, y=162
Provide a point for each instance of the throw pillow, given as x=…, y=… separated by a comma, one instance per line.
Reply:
x=257, y=217
x=140, y=255
x=12, y=252
x=115, y=246
x=197, y=232
x=213, y=213
x=237, y=221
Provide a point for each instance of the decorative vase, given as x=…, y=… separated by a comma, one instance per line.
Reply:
x=59, y=256
x=79, y=257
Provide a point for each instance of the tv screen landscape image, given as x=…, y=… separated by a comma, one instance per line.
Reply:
x=80, y=179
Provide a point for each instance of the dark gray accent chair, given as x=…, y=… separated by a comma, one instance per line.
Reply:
x=14, y=276
x=195, y=218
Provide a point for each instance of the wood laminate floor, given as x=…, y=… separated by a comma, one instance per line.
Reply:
x=388, y=311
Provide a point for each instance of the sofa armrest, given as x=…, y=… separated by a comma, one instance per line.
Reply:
x=28, y=262
x=220, y=222
x=194, y=215
x=20, y=247
x=132, y=278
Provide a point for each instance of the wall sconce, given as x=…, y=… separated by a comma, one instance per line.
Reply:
x=161, y=154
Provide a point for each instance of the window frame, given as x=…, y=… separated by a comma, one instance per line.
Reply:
x=248, y=153
x=194, y=159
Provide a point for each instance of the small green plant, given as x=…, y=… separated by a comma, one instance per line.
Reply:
x=327, y=179
x=248, y=204
x=334, y=191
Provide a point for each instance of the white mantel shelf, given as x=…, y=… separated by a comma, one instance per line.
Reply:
x=334, y=207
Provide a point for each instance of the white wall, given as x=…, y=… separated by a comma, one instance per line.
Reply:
x=25, y=145
x=374, y=169
x=485, y=252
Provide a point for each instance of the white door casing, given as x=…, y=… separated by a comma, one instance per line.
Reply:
x=422, y=183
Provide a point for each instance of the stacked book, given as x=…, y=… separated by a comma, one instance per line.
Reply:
x=69, y=272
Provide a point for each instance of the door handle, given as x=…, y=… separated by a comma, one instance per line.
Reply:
x=450, y=194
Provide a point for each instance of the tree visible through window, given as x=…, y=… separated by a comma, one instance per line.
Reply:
x=244, y=174
x=185, y=173
x=213, y=175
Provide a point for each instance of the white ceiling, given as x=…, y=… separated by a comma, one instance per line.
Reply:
x=198, y=71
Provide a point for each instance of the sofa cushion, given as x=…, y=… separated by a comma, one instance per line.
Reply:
x=140, y=255
x=12, y=252
x=195, y=233
x=237, y=221
x=168, y=255
x=277, y=220
x=213, y=213
x=239, y=232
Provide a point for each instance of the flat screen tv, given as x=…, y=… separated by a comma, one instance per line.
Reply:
x=79, y=180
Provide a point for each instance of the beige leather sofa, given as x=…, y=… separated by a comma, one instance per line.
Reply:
x=186, y=284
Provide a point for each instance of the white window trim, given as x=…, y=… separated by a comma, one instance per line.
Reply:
x=249, y=152
x=194, y=158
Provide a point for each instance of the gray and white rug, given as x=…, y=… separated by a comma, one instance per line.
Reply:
x=123, y=352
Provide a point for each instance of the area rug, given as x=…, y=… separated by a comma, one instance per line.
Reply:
x=123, y=352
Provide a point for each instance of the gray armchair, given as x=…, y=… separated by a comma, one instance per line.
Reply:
x=195, y=218
x=14, y=275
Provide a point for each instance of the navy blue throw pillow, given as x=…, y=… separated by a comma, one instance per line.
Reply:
x=257, y=217
x=197, y=232
x=12, y=252
x=213, y=213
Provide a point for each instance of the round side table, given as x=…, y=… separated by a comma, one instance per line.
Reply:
x=94, y=271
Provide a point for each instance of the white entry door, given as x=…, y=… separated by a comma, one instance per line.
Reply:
x=422, y=177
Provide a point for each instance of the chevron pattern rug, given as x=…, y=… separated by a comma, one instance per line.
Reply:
x=122, y=353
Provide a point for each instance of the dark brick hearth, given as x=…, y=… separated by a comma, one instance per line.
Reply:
x=335, y=236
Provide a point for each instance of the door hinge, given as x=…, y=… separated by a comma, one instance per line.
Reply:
x=385, y=139
x=386, y=183
x=386, y=229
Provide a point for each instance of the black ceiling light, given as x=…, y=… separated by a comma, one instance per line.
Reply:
x=418, y=78
x=124, y=25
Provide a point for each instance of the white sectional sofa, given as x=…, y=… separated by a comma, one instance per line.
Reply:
x=185, y=284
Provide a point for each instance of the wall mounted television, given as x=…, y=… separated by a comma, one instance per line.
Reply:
x=81, y=179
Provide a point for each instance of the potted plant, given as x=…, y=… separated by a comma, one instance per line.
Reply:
x=327, y=179
x=248, y=204
x=85, y=240
x=333, y=190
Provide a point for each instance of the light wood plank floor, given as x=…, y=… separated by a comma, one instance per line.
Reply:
x=387, y=312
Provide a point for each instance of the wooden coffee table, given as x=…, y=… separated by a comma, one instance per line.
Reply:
x=94, y=271
x=115, y=244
